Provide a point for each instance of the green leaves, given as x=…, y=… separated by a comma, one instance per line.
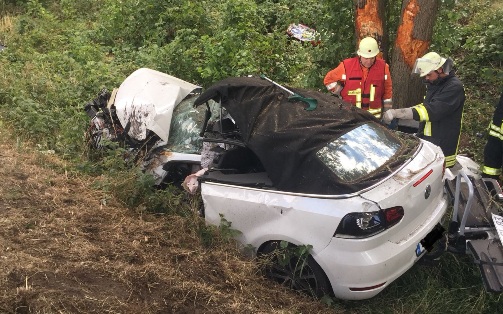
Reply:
x=60, y=53
x=470, y=32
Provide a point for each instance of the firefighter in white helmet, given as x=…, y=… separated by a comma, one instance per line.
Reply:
x=440, y=114
x=363, y=80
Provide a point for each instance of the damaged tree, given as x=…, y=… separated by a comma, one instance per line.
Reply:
x=413, y=39
x=370, y=21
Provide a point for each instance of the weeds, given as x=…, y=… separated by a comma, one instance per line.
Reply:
x=226, y=231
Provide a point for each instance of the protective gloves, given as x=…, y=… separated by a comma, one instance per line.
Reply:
x=390, y=114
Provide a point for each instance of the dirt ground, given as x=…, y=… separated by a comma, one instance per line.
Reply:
x=68, y=248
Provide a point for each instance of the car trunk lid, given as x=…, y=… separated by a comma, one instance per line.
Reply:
x=417, y=187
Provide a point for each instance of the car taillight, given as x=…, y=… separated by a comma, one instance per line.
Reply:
x=393, y=215
x=367, y=224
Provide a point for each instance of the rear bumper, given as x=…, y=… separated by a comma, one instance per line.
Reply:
x=358, y=264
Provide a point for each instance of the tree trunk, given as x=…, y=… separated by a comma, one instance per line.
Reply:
x=412, y=41
x=369, y=21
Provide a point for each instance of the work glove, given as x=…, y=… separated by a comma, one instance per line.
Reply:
x=390, y=114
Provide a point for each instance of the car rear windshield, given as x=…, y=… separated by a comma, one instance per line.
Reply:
x=359, y=152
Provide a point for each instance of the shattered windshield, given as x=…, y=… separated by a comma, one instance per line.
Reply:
x=186, y=126
x=359, y=152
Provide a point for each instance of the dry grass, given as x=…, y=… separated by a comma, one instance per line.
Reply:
x=5, y=27
x=63, y=251
x=6, y=23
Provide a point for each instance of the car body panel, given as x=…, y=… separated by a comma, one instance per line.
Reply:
x=262, y=215
x=364, y=263
x=146, y=100
x=294, y=175
x=418, y=201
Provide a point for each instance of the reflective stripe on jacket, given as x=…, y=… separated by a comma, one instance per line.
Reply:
x=496, y=131
x=493, y=150
x=366, y=94
x=441, y=114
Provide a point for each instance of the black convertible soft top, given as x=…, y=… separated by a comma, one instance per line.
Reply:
x=285, y=136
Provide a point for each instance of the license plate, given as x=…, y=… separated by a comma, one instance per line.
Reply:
x=427, y=243
x=419, y=249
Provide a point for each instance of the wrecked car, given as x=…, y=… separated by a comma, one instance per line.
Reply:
x=151, y=115
x=365, y=201
x=343, y=204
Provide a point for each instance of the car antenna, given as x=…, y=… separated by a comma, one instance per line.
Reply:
x=311, y=102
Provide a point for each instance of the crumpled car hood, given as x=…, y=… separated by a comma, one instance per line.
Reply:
x=145, y=100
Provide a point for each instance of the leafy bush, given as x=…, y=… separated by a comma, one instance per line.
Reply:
x=475, y=41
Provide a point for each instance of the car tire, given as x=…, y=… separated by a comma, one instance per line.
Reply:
x=308, y=278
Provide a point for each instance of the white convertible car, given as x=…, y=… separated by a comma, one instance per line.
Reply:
x=365, y=202
x=349, y=204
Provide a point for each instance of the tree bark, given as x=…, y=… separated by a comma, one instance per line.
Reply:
x=369, y=21
x=412, y=41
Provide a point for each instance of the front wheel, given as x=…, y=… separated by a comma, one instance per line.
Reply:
x=294, y=267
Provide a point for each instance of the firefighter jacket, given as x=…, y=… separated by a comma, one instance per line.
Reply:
x=440, y=115
x=365, y=88
x=493, y=150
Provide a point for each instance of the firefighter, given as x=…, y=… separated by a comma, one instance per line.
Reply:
x=493, y=151
x=441, y=112
x=364, y=80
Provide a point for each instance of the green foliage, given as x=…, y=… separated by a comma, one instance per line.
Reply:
x=168, y=200
x=181, y=57
x=128, y=21
x=475, y=41
x=130, y=187
x=483, y=58
x=112, y=159
x=35, y=8
x=212, y=236
x=226, y=230
x=287, y=252
x=134, y=188
x=69, y=9
x=447, y=37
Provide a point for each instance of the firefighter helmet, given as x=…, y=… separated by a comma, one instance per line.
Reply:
x=427, y=63
x=368, y=48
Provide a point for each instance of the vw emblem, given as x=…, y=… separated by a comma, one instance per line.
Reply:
x=427, y=192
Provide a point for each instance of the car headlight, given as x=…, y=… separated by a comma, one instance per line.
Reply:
x=369, y=223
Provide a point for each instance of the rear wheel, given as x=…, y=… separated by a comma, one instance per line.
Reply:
x=295, y=268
